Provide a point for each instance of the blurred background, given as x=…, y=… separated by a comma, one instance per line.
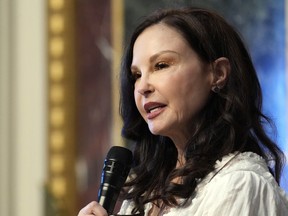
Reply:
x=59, y=65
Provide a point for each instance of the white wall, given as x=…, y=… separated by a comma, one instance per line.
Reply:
x=22, y=107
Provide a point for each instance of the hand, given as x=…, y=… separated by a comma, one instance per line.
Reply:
x=93, y=208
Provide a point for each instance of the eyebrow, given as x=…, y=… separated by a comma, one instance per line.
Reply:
x=155, y=56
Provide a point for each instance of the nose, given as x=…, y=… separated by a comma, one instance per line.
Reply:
x=144, y=86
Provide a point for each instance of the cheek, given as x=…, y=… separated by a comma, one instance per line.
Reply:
x=195, y=94
x=138, y=103
x=197, y=101
x=136, y=99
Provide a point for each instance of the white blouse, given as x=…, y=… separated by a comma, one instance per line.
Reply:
x=242, y=186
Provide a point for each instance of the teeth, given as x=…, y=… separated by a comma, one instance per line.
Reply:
x=154, y=109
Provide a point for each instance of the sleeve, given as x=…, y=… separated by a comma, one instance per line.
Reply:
x=243, y=193
x=128, y=205
x=126, y=208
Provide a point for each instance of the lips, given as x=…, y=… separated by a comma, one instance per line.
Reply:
x=153, y=109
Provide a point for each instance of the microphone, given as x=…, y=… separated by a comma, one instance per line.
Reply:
x=114, y=174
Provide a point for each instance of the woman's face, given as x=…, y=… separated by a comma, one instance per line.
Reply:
x=172, y=84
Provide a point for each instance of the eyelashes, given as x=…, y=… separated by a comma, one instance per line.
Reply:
x=161, y=65
x=158, y=66
x=136, y=75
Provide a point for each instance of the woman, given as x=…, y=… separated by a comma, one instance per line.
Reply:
x=191, y=101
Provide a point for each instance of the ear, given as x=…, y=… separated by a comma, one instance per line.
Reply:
x=221, y=72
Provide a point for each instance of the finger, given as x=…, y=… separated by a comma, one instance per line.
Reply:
x=93, y=208
x=98, y=209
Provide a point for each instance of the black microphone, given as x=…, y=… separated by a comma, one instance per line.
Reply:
x=114, y=174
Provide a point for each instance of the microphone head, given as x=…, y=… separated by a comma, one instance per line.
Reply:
x=121, y=154
x=115, y=171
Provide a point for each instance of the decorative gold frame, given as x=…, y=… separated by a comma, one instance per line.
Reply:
x=117, y=31
x=61, y=105
x=62, y=102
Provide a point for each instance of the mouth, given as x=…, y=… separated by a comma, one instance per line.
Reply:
x=152, y=107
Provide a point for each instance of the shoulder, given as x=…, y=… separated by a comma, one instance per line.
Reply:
x=246, y=171
x=242, y=182
x=243, y=164
x=245, y=160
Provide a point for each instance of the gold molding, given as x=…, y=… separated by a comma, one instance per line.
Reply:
x=61, y=106
x=117, y=33
x=61, y=99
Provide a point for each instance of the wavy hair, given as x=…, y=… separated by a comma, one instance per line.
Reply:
x=232, y=121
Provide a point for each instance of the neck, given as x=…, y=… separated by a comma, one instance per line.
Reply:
x=180, y=161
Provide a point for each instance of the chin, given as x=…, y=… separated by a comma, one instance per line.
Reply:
x=157, y=132
x=154, y=131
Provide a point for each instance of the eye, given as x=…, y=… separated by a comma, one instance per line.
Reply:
x=136, y=75
x=161, y=65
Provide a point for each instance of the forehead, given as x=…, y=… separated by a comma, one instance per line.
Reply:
x=157, y=38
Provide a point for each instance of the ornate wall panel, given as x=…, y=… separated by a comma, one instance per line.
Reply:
x=62, y=137
x=85, y=45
